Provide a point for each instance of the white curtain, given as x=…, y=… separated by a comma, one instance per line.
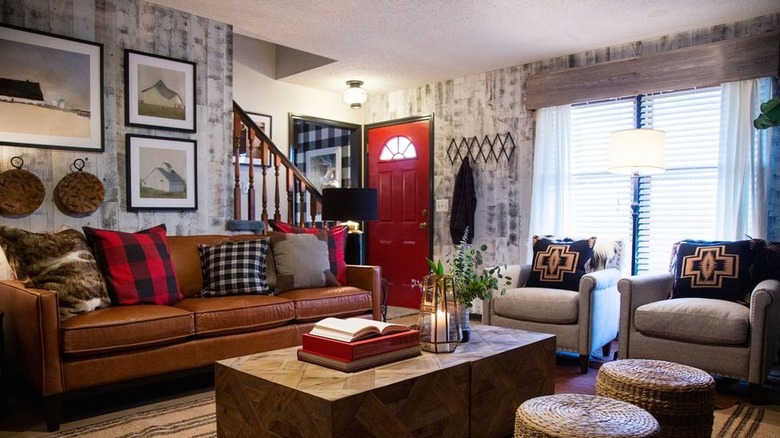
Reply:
x=743, y=167
x=551, y=171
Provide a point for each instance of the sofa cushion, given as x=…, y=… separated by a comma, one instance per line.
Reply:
x=186, y=260
x=554, y=306
x=337, y=245
x=59, y=261
x=313, y=304
x=301, y=261
x=234, y=268
x=121, y=328
x=719, y=270
x=699, y=320
x=137, y=266
x=237, y=314
x=559, y=264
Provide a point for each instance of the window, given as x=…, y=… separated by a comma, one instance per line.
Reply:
x=397, y=148
x=678, y=203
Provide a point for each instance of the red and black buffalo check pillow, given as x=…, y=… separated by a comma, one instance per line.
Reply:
x=137, y=266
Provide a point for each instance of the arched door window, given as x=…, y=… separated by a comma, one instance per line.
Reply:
x=398, y=148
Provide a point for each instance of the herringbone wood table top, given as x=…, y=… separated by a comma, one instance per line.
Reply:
x=477, y=388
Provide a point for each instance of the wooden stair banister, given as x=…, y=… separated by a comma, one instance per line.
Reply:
x=247, y=135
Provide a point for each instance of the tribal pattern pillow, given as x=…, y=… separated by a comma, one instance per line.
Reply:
x=559, y=264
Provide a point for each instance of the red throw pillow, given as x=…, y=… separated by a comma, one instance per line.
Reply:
x=337, y=245
x=137, y=266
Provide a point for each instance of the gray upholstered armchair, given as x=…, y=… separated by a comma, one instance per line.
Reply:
x=730, y=336
x=582, y=320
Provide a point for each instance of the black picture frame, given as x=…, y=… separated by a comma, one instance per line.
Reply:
x=162, y=173
x=159, y=92
x=51, y=91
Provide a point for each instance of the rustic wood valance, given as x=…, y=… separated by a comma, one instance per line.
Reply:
x=697, y=66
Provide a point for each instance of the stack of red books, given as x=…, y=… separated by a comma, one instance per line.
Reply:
x=368, y=348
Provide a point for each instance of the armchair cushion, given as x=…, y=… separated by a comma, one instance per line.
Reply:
x=538, y=304
x=699, y=320
x=559, y=264
x=714, y=270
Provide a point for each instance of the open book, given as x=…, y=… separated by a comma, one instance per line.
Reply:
x=352, y=329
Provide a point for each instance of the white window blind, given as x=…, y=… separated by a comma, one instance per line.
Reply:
x=598, y=202
x=676, y=204
x=680, y=202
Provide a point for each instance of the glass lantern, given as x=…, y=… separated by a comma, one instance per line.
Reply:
x=439, y=315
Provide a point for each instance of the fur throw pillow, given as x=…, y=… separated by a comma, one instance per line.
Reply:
x=59, y=261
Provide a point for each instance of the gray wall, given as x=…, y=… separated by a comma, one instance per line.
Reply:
x=137, y=25
x=493, y=103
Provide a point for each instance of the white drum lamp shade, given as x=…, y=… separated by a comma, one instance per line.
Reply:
x=637, y=151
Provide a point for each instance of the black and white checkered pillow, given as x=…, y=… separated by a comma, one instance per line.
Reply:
x=234, y=268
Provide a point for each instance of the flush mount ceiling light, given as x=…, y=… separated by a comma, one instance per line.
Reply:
x=355, y=96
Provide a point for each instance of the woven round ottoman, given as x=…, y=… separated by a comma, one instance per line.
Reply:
x=580, y=415
x=680, y=397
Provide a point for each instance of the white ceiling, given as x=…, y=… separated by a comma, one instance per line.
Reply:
x=399, y=44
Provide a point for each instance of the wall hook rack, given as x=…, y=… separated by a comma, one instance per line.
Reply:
x=502, y=145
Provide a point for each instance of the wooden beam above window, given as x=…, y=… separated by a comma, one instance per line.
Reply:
x=697, y=66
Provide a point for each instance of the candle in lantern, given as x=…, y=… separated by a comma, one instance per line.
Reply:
x=441, y=326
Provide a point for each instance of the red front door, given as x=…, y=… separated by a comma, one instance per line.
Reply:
x=400, y=240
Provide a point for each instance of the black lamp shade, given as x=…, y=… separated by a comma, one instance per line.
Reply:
x=358, y=204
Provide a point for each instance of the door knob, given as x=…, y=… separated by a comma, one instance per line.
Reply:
x=423, y=225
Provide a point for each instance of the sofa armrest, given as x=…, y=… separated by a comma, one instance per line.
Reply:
x=32, y=334
x=764, y=326
x=635, y=291
x=368, y=278
x=600, y=305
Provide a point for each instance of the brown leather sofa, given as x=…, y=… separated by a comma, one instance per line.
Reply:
x=131, y=344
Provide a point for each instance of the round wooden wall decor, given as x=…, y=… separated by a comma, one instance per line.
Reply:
x=21, y=192
x=79, y=192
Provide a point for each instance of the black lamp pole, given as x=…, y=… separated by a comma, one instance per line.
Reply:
x=635, y=224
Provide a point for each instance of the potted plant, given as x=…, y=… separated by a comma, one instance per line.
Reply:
x=472, y=280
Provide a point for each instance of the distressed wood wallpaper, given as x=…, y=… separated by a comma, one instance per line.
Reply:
x=493, y=103
x=137, y=25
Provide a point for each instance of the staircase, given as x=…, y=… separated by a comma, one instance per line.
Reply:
x=276, y=171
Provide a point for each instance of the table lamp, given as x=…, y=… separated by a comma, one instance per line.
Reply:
x=350, y=204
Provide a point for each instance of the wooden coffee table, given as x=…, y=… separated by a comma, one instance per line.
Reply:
x=474, y=391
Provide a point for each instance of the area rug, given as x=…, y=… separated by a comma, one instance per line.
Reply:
x=394, y=312
x=189, y=419
x=745, y=420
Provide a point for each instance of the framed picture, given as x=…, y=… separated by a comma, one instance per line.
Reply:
x=161, y=173
x=51, y=91
x=323, y=167
x=263, y=122
x=159, y=92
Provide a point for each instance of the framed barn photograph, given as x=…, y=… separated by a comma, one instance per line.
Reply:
x=51, y=91
x=159, y=92
x=161, y=173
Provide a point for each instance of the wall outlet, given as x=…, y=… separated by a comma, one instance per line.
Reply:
x=442, y=205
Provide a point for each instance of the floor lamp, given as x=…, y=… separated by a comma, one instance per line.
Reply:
x=637, y=152
x=354, y=204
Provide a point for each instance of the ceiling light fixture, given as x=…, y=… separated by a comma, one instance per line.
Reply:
x=355, y=96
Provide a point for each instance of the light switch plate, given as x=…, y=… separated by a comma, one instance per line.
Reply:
x=442, y=205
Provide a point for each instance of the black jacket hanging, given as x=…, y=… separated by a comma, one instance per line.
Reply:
x=464, y=204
